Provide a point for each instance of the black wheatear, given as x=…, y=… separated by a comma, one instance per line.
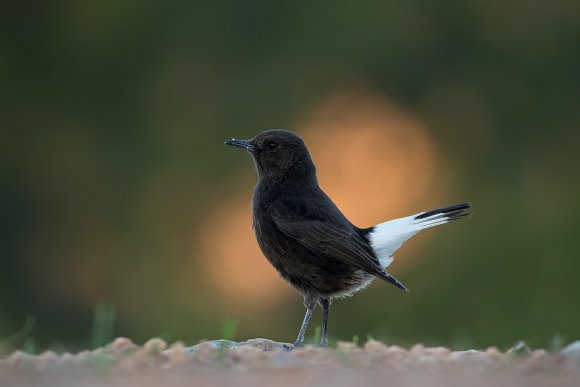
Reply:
x=306, y=237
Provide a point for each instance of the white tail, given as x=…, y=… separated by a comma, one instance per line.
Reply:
x=386, y=238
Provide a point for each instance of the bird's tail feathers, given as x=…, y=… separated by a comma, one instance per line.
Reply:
x=392, y=280
x=443, y=215
x=387, y=237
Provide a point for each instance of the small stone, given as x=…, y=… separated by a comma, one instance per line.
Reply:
x=82, y=357
x=223, y=344
x=66, y=359
x=468, y=354
x=203, y=353
x=176, y=354
x=122, y=344
x=396, y=349
x=438, y=351
x=520, y=349
x=374, y=345
x=46, y=358
x=347, y=346
x=417, y=349
x=155, y=346
x=48, y=355
x=264, y=344
x=493, y=353
x=539, y=355
x=19, y=358
x=572, y=352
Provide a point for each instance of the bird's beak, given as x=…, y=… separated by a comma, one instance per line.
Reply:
x=245, y=144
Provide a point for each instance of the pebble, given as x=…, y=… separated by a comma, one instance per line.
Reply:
x=262, y=353
x=572, y=352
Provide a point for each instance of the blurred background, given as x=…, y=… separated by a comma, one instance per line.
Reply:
x=122, y=212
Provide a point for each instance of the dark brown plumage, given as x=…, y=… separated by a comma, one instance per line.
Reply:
x=301, y=231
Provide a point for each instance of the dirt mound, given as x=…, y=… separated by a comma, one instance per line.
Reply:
x=261, y=362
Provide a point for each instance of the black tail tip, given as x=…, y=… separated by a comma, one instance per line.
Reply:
x=401, y=286
x=455, y=208
x=392, y=280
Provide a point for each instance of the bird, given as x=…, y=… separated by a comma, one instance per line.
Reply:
x=308, y=240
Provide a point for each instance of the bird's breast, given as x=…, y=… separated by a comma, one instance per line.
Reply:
x=303, y=268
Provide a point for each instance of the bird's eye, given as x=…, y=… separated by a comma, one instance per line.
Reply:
x=272, y=145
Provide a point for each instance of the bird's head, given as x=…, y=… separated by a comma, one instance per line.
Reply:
x=278, y=154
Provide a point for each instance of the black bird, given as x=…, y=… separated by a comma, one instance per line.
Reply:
x=306, y=237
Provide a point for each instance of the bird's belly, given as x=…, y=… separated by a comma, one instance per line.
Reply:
x=313, y=274
x=320, y=280
x=305, y=270
x=354, y=287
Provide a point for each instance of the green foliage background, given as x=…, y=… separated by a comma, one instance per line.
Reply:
x=96, y=97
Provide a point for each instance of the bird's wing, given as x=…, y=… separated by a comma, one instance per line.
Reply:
x=332, y=239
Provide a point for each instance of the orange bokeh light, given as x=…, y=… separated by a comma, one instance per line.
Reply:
x=373, y=159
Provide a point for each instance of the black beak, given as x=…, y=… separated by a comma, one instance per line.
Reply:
x=245, y=144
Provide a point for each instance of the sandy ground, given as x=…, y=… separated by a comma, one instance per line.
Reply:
x=261, y=362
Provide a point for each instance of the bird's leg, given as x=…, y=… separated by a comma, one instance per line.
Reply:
x=325, y=304
x=310, y=304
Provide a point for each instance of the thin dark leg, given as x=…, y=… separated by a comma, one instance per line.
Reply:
x=310, y=304
x=325, y=303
